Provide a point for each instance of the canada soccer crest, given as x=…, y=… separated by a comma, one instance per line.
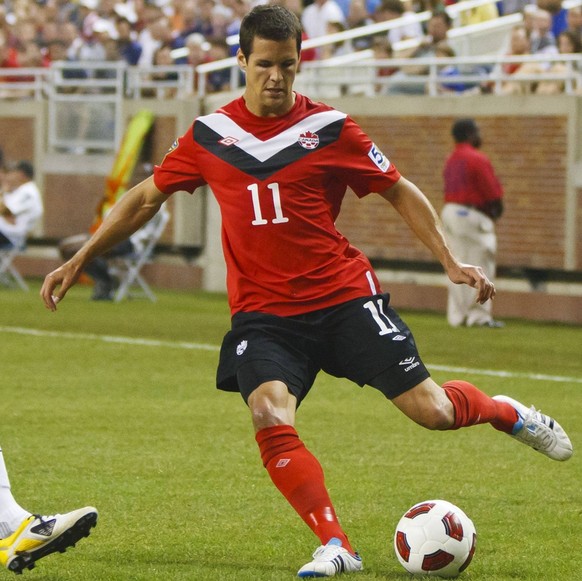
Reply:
x=309, y=140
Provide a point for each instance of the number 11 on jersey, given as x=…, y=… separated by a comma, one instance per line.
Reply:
x=259, y=220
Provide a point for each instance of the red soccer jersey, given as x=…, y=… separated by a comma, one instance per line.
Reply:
x=280, y=182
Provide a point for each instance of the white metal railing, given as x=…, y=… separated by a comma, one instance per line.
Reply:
x=85, y=105
x=23, y=83
x=482, y=74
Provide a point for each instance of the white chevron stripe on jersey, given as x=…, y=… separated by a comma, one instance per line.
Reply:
x=263, y=150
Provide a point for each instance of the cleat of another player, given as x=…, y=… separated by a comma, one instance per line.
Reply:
x=331, y=559
x=539, y=431
x=39, y=536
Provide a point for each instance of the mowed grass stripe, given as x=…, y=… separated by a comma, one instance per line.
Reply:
x=207, y=347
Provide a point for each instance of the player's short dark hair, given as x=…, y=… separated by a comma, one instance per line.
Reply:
x=464, y=129
x=271, y=22
x=22, y=166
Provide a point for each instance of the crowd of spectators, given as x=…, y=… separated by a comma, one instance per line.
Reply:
x=35, y=33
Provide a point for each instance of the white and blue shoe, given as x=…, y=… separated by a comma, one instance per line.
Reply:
x=331, y=559
x=540, y=432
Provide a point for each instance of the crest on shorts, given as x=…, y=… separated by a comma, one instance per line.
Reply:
x=241, y=347
x=309, y=140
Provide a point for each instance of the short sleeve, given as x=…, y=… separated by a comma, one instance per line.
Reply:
x=179, y=170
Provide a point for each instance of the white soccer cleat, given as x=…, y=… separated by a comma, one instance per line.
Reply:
x=39, y=536
x=331, y=559
x=539, y=431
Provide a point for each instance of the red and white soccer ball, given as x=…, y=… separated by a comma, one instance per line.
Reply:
x=435, y=537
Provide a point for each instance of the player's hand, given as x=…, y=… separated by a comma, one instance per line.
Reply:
x=474, y=277
x=57, y=283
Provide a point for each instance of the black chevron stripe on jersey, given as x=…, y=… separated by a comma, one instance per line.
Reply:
x=262, y=159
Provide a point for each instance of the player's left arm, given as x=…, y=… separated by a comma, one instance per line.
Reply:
x=421, y=217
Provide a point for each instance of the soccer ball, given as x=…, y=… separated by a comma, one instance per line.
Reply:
x=435, y=537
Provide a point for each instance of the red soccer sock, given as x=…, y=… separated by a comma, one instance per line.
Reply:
x=298, y=475
x=472, y=407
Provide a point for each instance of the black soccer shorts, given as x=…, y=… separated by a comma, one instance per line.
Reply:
x=363, y=340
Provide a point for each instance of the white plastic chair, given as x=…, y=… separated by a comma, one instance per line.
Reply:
x=9, y=275
x=127, y=269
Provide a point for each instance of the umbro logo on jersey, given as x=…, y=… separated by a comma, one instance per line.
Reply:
x=228, y=141
x=308, y=140
x=398, y=338
x=410, y=363
x=241, y=347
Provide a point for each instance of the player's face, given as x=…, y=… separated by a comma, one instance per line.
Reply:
x=270, y=72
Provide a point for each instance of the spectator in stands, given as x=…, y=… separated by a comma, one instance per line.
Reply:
x=162, y=34
x=444, y=50
x=479, y=14
x=337, y=48
x=437, y=28
x=558, y=13
x=529, y=12
x=568, y=43
x=20, y=204
x=198, y=18
x=395, y=9
x=358, y=16
x=129, y=48
x=239, y=9
x=519, y=45
x=574, y=20
x=382, y=51
x=197, y=48
x=542, y=39
x=147, y=19
x=220, y=18
x=218, y=80
x=316, y=17
x=163, y=58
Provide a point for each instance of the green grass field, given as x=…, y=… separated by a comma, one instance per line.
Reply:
x=114, y=405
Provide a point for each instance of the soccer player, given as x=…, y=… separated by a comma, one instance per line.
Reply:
x=25, y=538
x=302, y=298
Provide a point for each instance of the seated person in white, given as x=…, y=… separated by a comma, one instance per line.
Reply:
x=20, y=204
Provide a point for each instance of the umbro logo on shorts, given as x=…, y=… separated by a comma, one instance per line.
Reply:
x=410, y=363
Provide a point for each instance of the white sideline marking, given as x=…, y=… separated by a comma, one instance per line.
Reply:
x=207, y=347
x=110, y=339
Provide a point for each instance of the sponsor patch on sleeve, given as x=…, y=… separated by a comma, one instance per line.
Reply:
x=379, y=158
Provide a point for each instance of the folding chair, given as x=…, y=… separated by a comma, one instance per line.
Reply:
x=127, y=268
x=9, y=275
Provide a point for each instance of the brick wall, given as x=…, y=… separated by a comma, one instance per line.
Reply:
x=528, y=154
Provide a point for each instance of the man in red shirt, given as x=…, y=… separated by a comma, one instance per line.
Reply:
x=473, y=202
x=302, y=298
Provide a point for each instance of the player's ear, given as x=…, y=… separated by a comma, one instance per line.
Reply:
x=241, y=60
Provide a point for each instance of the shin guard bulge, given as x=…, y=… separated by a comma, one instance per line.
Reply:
x=298, y=475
